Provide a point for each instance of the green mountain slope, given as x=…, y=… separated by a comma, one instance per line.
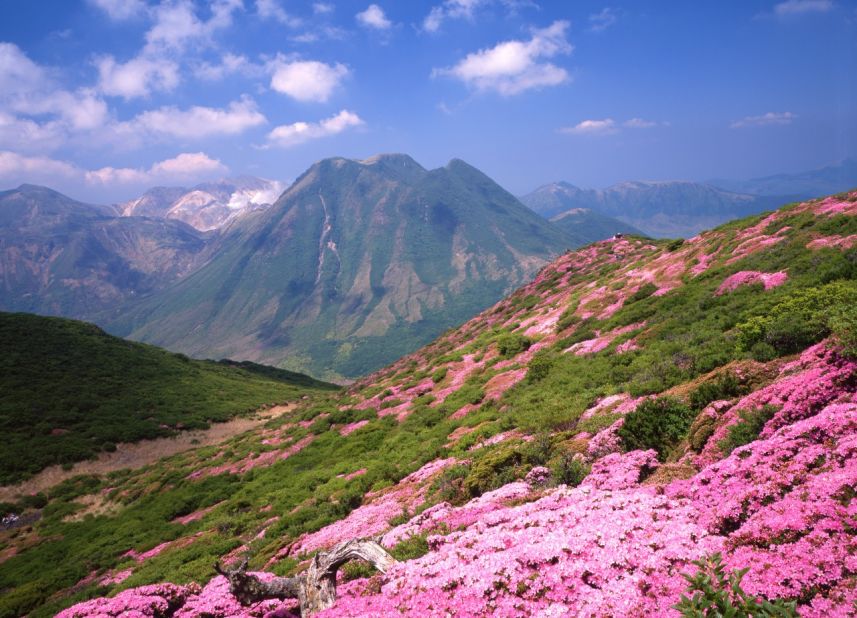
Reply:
x=68, y=390
x=722, y=325
x=356, y=264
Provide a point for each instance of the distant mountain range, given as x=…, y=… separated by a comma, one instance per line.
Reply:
x=356, y=264
x=207, y=206
x=683, y=208
x=659, y=209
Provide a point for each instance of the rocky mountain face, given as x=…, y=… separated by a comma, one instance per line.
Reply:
x=640, y=410
x=357, y=263
x=208, y=206
x=660, y=209
x=62, y=257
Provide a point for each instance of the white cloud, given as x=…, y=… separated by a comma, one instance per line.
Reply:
x=512, y=67
x=607, y=126
x=771, y=118
x=271, y=9
x=17, y=72
x=639, y=123
x=450, y=9
x=186, y=166
x=599, y=22
x=176, y=24
x=198, y=122
x=800, y=7
x=28, y=135
x=20, y=168
x=374, y=17
x=322, y=8
x=307, y=80
x=230, y=64
x=136, y=78
x=120, y=10
x=293, y=134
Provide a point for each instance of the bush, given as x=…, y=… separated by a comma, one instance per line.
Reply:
x=439, y=374
x=569, y=470
x=726, y=386
x=540, y=366
x=494, y=470
x=714, y=593
x=763, y=352
x=843, y=324
x=646, y=290
x=512, y=344
x=567, y=318
x=747, y=429
x=656, y=424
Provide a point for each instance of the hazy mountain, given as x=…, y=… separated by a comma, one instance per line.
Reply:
x=814, y=183
x=63, y=257
x=660, y=209
x=356, y=264
x=583, y=226
x=207, y=206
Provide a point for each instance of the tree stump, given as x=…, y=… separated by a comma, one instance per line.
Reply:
x=315, y=588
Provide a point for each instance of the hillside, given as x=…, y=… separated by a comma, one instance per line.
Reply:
x=63, y=257
x=358, y=263
x=208, y=206
x=639, y=406
x=68, y=391
x=660, y=209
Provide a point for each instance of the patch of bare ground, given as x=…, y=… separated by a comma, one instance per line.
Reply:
x=138, y=454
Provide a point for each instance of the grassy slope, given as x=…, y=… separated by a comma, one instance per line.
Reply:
x=685, y=330
x=69, y=390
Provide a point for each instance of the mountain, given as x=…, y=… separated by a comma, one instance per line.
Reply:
x=208, y=206
x=69, y=390
x=636, y=410
x=356, y=264
x=660, y=209
x=814, y=183
x=583, y=226
x=63, y=257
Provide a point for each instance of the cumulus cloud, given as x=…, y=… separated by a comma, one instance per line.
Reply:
x=120, y=10
x=198, y=121
x=138, y=77
x=599, y=22
x=271, y=9
x=322, y=8
x=513, y=67
x=801, y=7
x=17, y=72
x=230, y=64
x=183, y=167
x=293, y=134
x=450, y=9
x=374, y=17
x=607, y=126
x=176, y=24
x=307, y=80
x=765, y=120
x=19, y=167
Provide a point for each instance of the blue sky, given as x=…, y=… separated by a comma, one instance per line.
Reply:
x=103, y=98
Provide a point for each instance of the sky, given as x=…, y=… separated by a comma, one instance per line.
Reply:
x=102, y=99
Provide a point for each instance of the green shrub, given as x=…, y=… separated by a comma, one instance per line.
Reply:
x=656, y=424
x=449, y=485
x=726, y=386
x=763, y=352
x=512, y=344
x=843, y=324
x=676, y=244
x=747, y=429
x=646, y=290
x=714, y=593
x=411, y=548
x=498, y=467
x=439, y=374
x=540, y=366
x=567, y=318
x=568, y=470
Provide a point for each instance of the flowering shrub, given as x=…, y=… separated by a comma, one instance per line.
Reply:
x=538, y=476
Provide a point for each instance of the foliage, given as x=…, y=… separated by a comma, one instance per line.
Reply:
x=747, y=429
x=726, y=386
x=657, y=424
x=646, y=290
x=714, y=593
x=511, y=344
x=569, y=470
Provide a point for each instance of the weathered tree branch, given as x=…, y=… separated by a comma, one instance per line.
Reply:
x=315, y=588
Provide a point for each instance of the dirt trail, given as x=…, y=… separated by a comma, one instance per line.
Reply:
x=145, y=452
